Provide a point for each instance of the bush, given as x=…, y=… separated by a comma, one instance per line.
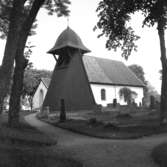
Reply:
x=42, y=115
x=98, y=108
x=94, y=122
x=111, y=126
x=159, y=154
x=124, y=116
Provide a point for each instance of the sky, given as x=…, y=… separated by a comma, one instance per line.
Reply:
x=82, y=20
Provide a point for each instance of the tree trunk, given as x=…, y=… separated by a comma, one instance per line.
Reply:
x=31, y=102
x=21, y=63
x=10, y=49
x=163, y=106
x=1, y=104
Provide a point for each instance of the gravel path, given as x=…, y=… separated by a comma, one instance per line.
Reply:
x=94, y=152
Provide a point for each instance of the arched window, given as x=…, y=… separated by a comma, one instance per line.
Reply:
x=103, y=94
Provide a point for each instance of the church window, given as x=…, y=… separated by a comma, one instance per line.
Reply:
x=103, y=94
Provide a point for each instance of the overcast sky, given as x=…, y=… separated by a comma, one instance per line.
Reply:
x=82, y=20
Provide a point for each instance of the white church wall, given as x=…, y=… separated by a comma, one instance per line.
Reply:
x=113, y=92
x=39, y=96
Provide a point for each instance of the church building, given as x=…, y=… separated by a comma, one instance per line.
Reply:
x=85, y=81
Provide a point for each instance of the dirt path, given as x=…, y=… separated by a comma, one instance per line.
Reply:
x=95, y=152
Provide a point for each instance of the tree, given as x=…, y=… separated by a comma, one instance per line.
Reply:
x=32, y=78
x=127, y=94
x=113, y=17
x=139, y=72
x=16, y=20
x=151, y=91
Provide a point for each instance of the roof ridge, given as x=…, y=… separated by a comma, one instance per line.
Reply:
x=45, y=78
x=104, y=58
x=43, y=81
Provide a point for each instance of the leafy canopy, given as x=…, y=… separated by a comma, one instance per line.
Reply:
x=138, y=71
x=115, y=14
x=60, y=7
x=32, y=78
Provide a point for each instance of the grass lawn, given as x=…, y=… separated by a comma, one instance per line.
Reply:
x=104, y=125
x=25, y=146
x=23, y=134
x=16, y=157
x=108, y=130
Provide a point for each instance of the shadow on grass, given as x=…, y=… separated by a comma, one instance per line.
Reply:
x=33, y=158
x=159, y=154
x=23, y=147
x=24, y=134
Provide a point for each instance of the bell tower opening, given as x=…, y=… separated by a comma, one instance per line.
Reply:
x=64, y=57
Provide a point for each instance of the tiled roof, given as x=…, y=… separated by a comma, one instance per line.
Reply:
x=46, y=81
x=106, y=71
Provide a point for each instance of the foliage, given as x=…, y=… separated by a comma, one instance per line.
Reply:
x=52, y=6
x=124, y=116
x=149, y=90
x=17, y=18
x=127, y=94
x=159, y=154
x=28, y=53
x=138, y=71
x=32, y=77
x=153, y=92
x=114, y=16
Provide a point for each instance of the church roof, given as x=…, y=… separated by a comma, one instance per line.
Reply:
x=46, y=81
x=106, y=71
x=68, y=38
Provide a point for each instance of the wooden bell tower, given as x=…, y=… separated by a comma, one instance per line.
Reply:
x=69, y=79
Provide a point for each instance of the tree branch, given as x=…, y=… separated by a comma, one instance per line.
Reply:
x=31, y=16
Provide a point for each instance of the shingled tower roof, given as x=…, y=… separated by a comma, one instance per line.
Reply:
x=68, y=38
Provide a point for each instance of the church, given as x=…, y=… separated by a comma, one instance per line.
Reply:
x=86, y=81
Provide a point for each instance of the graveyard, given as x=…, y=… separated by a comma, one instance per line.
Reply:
x=120, y=122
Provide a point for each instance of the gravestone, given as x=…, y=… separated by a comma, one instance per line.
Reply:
x=62, y=111
x=152, y=102
x=114, y=103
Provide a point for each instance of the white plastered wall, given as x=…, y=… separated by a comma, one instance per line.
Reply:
x=37, y=103
x=113, y=92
